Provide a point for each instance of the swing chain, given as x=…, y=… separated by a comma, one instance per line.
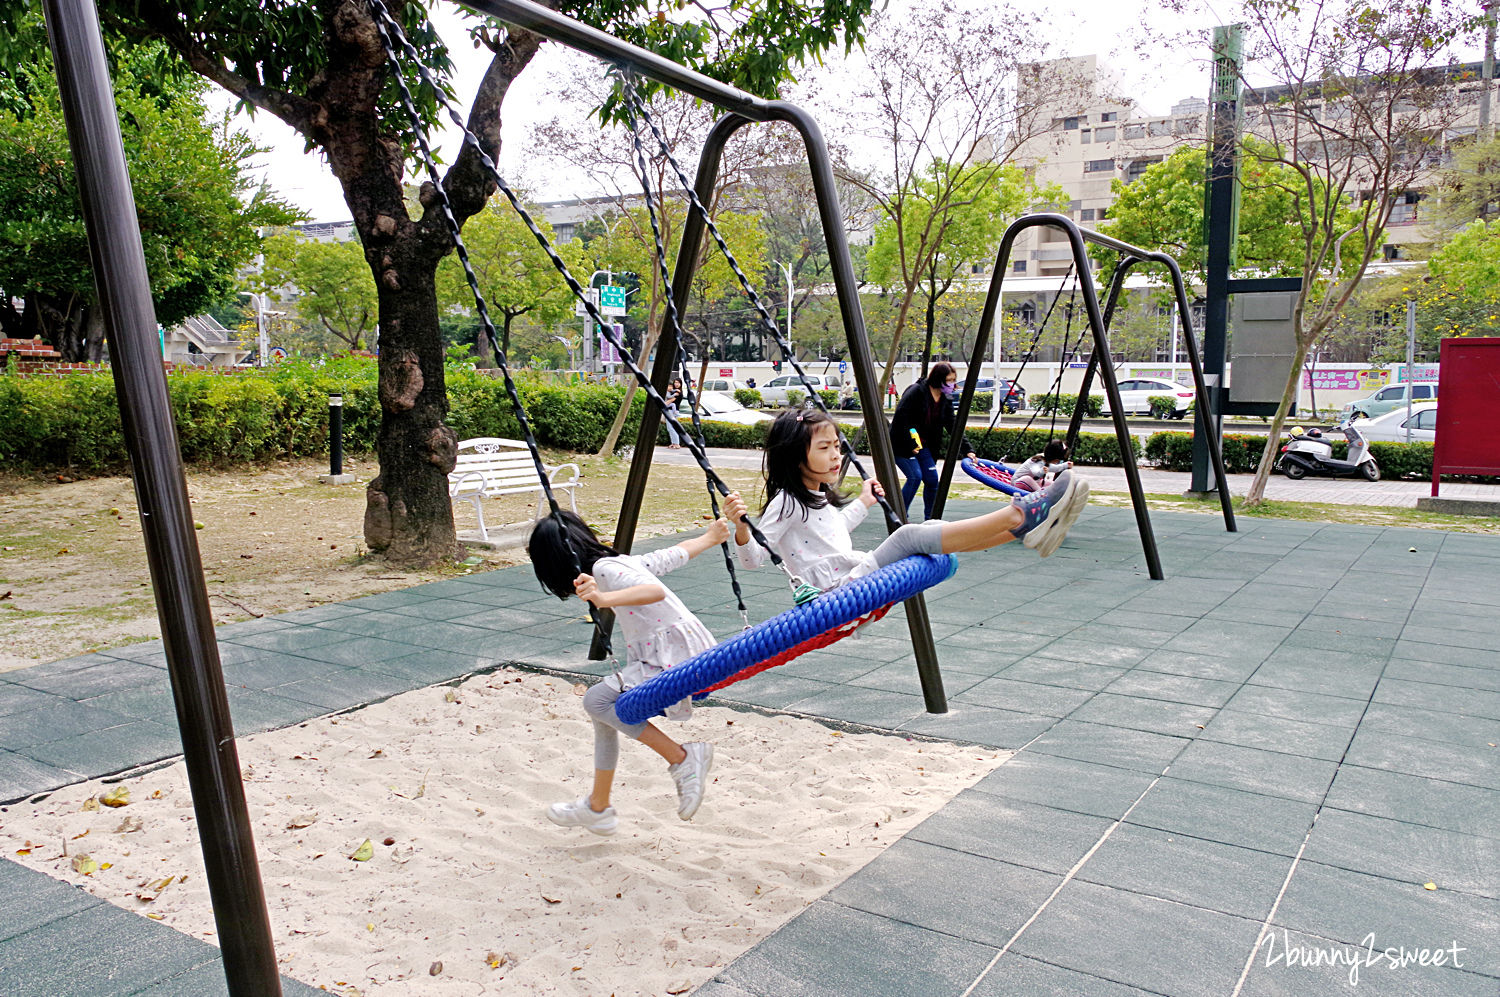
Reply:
x=754, y=297
x=390, y=31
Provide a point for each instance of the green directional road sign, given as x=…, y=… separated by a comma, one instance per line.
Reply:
x=612, y=300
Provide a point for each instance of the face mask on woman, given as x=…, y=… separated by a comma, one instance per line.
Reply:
x=948, y=389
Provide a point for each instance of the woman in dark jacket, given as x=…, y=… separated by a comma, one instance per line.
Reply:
x=925, y=412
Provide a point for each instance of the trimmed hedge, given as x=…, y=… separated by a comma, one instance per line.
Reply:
x=1065, y=404
x=74, y=421
x=748, y=397
x=1173, y=451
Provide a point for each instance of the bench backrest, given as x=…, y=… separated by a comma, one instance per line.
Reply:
x=503, y=463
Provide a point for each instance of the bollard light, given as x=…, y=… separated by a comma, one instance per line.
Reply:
x=335, y=435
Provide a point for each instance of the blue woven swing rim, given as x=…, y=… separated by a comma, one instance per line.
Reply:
x=974, y=468
x=836, y=607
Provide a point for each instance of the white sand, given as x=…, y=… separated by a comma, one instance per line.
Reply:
x=477, y=874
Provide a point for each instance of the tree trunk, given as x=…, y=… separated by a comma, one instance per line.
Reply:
x=931, y=325
x=408, y=515
x=1257, y=492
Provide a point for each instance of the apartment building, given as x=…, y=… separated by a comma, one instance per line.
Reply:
x=1090, y=137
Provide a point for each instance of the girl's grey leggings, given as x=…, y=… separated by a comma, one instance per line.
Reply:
x=913, y=538
x=599, y=704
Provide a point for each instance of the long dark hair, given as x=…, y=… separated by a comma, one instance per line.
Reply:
x=786, y=451
x=551, y=558
x=938, y=375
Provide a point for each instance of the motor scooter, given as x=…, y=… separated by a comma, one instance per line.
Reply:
x=1310, y=452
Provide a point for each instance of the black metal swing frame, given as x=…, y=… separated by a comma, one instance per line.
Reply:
x=1098, y=319
x=744, y=109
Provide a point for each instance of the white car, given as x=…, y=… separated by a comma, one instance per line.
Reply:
x=721, y=408
x=1391, y=427
x=728, y=385
x=774, y=392
x=1136, y=394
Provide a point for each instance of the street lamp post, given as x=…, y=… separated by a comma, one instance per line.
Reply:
x=787, y=270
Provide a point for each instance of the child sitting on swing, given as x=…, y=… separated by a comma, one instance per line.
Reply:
x=659, y=632
x=809, y=522
x=1032, y=474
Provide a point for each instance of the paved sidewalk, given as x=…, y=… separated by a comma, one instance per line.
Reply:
x=1337, y=491
x=1283, y=740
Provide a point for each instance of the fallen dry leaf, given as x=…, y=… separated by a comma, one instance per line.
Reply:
x=84, y=865
x=364, y=852
x=550, y=900
x=91, y=804
x=436, y=969
x=117, y=797
x=301, y=821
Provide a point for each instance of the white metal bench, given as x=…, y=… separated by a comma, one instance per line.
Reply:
x=489, y=467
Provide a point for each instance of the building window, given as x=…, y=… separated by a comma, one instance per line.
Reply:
x=1186, y=126
x=1086, y=215
x=1138, y=168
x=1083, y=137
x=1069, y=124
x=1104, y=135
x=1099, y=166
x=1018, y=267
x=1135, y=131
x=1391, y=251
x=1158, y=128
x=1110, y=116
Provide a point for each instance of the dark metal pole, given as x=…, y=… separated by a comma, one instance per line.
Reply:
x=666, y=357
x=876, y=429
x=1223, y=212
x=166, y=517
x=1116, y=285
x=335, y=435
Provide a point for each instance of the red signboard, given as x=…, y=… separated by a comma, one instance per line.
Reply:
x=726, y=371
x=1468, y=429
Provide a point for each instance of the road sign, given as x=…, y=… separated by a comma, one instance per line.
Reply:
x=612, y=300
x=843, y=366
x=593, y=295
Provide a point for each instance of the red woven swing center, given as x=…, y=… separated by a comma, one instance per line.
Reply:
x=811, y=644
x=994, y=472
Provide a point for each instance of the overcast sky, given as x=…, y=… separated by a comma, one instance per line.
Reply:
x=1109, y=30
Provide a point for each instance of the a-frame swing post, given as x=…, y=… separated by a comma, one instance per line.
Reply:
x=877, y=432
x=1111, y=301
x=1203, y=407
x=175, y=563
x=665, y=363
x=847, y=291
x=1101, y=348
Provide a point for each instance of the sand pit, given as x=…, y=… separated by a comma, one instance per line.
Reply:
x=477, y=893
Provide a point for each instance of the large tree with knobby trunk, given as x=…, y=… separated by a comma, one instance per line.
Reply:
x=320, y=67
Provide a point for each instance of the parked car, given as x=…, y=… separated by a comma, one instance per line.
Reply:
x=725, y=384
x=1391, y=427
x=1015, y=398
x=1390, y=398
x=774, y=391
x=722, y=408
x=1136, y=394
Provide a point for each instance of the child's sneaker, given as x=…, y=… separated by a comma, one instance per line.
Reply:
x=1064, y=514
x=1047, y=512
x=691, y=777
x=578, y=813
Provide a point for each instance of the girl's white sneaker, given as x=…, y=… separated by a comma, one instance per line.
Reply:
x=578, y=813
x=691, y=777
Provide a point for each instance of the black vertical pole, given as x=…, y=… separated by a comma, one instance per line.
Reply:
x=666, y=359
x=1222, y=223
x=877, y=431
x=335, y=435
x=166, y=518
